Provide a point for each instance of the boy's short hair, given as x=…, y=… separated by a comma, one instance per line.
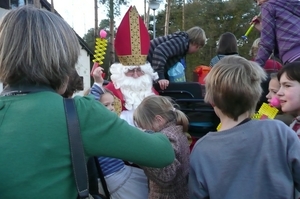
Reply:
x=197, y=36
x=234, y=85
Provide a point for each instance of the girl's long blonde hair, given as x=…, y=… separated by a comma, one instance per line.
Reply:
x=154, y=105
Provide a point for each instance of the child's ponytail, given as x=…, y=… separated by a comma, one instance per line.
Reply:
x=181, y=119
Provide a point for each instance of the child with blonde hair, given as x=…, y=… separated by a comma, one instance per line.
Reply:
x=166, y=51
x=158, y=113
x=245, y=158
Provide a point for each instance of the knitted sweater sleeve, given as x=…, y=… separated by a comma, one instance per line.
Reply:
x=105, y=134
x=168, y=173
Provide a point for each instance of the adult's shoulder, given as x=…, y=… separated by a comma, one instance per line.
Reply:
x=86, y=104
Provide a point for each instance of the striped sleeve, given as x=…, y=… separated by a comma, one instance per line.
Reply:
x=164, y=50
x=96, y=91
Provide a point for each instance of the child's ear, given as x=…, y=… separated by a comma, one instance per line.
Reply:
x=158, y=118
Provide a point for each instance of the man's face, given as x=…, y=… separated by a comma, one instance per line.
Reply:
x=135, y=73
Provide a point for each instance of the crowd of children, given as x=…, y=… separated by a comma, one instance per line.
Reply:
x=245, y=158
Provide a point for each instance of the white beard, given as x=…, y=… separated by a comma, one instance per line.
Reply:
x=133, y=90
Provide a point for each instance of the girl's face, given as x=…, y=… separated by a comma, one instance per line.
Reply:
x=289, y=95
x=274, y=87
x=108, y=101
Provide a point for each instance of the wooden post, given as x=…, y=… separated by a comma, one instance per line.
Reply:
x=112, y=31
x=96, y=19
x=167, y=18
x=148, y=16
x=183, y=13
x=145, y=17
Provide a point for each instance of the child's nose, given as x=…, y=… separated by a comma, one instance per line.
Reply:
x=280, y=92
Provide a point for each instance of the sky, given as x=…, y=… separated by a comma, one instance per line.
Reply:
x=80, y=13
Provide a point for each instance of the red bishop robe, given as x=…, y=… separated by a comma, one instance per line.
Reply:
x=117, y=92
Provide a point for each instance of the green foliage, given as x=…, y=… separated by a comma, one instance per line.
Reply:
x=89, y=39
x=104, y=24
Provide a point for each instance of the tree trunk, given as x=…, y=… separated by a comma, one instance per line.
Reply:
x=37, y=3
x=145, y=16
x=148, y=16
x=112, y=31
x=183, y=13
x=96, y=19
x=167, y=18
x=52, y=6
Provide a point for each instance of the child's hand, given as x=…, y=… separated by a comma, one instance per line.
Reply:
x=256, y=21
x=97, y=75
x=163, y=83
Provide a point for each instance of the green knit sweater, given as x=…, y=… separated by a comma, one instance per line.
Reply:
x=35, y=156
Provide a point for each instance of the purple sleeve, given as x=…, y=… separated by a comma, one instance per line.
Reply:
x=268, y=35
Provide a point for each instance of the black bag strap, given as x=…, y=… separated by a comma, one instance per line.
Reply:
x=102, y=179
x=95, y=171
x=76, y=148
